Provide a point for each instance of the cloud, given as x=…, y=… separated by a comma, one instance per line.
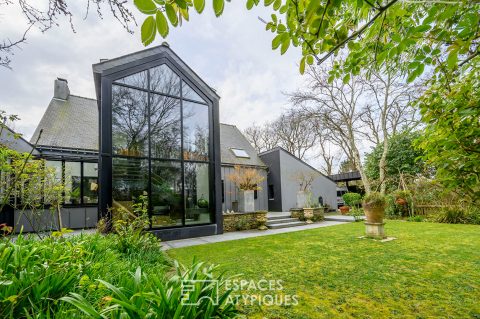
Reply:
x=232, y=53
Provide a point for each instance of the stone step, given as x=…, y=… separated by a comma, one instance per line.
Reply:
x=341, y=218
x=285, y=225
x=278, y=217
x=281, y=220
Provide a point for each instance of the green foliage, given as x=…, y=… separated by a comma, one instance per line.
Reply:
x=35, y=274
x=149, y=296
x=416, y=218
x=436, y=34
x=130, y=228
x=374, y=199
x=459, y=215
x=357, y=213
x=402, y=158
x=450, y=141
x=352, y=199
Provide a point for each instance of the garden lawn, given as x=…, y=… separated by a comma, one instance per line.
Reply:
x=431, y=270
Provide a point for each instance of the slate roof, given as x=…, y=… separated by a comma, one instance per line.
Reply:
x=71, y=123
x=231, y=137
x=12, y=140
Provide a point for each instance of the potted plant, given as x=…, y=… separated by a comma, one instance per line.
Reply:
x=344, y=209
x=247, y=181
x=374, y=208
x=304, y=183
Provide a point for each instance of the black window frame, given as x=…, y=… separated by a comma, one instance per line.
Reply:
x=106, y=152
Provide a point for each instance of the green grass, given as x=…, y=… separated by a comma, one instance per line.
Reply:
x=430, y=271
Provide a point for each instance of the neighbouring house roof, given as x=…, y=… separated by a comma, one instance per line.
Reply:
x=14, y=141
x=231, y=137
x=344, y=177
x=70, y=123
x=281, y=149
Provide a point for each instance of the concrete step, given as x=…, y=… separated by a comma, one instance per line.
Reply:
x=341, y=218
x=285, y=225
x=275, y=217
x=281, y=220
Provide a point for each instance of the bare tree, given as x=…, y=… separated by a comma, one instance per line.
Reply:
x=361, y=108
x=44, y=17
x=263, y=138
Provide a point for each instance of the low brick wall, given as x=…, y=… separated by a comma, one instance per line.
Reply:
x=244, y=221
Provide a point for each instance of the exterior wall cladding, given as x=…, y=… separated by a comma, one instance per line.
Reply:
x=230, y=191
x=283, y=167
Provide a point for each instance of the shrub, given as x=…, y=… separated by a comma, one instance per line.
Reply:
x=416, y=218
x=452, y=215
x=374, y=199
x=149, y=296
x=352, y=199
x=357, y=213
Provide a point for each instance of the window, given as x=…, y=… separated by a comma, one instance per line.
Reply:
x=160, y=147
x=73, y=178
x=195, y=131
x=90, y=183
x=223, y=191
x=255, y=193
x=129, y=121
x=271, y=192
x=240, y=153
x=197, y=199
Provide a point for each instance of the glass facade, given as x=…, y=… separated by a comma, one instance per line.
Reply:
x=161, y=133
x=80, y=180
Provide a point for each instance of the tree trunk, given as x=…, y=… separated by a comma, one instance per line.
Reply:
x=382, y=165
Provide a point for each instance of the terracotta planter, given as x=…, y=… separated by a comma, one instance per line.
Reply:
x=344, y=210
x=374, y=214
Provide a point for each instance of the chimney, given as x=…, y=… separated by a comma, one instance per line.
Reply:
x=60, y=90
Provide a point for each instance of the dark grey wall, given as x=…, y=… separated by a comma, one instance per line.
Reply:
x=321, y=186
x=72, y=217
x=272, y=159
x=231, y=191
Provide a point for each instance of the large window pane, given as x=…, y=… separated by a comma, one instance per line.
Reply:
x=189, y=93
x=139, y=80
x=165, y=127
x=195, y=131
x=197, y=193
x=56, y=169
x=129, y=121
x=90, y=183
x=167, y=203
x=129, y=181
x=164, y=80
x=73, y=183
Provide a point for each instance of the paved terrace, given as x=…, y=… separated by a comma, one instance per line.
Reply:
x=330, y=220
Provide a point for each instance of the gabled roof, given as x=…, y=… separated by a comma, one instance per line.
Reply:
x=155, y=53
x=281, y=149
x=231, y=137
x=71, y=123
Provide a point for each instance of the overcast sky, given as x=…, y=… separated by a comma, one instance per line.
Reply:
x=232, y=54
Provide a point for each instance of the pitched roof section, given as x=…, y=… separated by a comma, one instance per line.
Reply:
x=231, y=137
x=145, y=56
x=281, y=149
x=71, y=123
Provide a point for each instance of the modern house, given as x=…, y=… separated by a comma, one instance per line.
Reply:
x=285, y=170
x=153, y=130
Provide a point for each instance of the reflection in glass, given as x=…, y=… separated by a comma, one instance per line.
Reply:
x=195, y=131
x=189, y=93
x=165, y=127
x=197, y=193
x=72, y=182
x=164, y=80
x=129, y=121
x=139, y=80
x=55, y=168
x=167, y=204
x=90, y=183
x=129, y=181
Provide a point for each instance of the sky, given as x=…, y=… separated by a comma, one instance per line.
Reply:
x=232, y=54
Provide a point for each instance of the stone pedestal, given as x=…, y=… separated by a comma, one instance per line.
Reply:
x=375, y=230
